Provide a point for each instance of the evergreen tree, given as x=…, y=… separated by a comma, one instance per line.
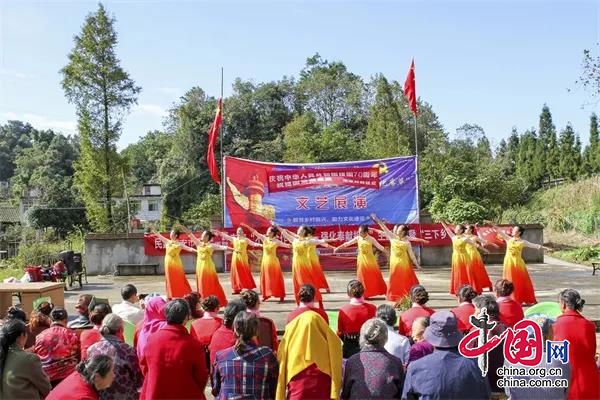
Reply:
x=569, y=154
x=530, y=166
x=102, y=93
x=592, y=151
x=548, y=145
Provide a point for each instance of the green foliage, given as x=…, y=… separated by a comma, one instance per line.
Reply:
x=300, y=136
x=591, y=155
x=14, y=137
x=458, y=211
x=403, y=304
x=147, y=155
x=103, y=94
x=584, y=254
x=548, y=151
x=203, y=214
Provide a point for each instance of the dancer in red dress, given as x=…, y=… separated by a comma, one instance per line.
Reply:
x=478, y=276
x=241, y=273
x=459, y=274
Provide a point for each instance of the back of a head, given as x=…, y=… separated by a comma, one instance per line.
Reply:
x=387, y=314
x=59, y=315
x=503, y=287
x=177, y=312
x=306, y=293
x=245, y=327
x=488, y=302
x=250, y=298
x=572, y=299
x=355, y=289
x=374, y=333
x=210, y=303
x=419, y=295
x=128, y=291
x=15, y=312
x=45, y=308
x=10, y=331
x=419, y=325
x=193, y=299
x=100, y=364
x=111, y=325
x=231, y=310
x=466, y=293
x=98, y=313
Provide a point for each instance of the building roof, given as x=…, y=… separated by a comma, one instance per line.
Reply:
x=9, y=214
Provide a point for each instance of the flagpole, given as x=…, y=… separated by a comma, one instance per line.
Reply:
x=417, y=184
x=222, y=188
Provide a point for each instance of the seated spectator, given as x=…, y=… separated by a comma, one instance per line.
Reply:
x=267, y=332
x=465, y=308
x=373, y=373
x=351, y=317
x=58, y=348
x=154, y=319
x=310, y=360
x=420, y=347
x=550, y=393
x=496, y=355
x=172, y=364
x=306, y=295
x=571, y=325
x=127, y=309
x=223, y=338
x=511, y=311
x=397, y=345
x=82, y=321
x=21, y=372
x=128, y=375
x=91, y=336
x=203, y=328
x=193, y=300
x=444, y=374
x=419, y=297
x=88, y=380
x=39, y=321
x=245, y=370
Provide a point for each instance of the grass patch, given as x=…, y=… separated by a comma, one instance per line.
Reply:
x=580, y=255
x=8, y=271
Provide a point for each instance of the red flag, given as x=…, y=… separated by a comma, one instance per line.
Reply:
x=213, y=134
x=410, y=88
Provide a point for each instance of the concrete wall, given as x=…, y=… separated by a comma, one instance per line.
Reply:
x=104, y=252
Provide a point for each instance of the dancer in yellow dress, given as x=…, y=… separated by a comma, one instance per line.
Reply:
x=402, y=274
x=271, y=277
x=176, y=283
x=207, y=279
x=367, y=271
x=459, y=274
x=515, y=269
x=241, y=274
x=478, y=276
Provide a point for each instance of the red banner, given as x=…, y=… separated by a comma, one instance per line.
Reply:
x=367, y=177
x=434, y=233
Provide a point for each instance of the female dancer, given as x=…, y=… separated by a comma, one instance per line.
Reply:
x=301, y=265
x=515, y=269
x=207, y=279
x=176, y=283
x=367, y=271
x=402, y=275
x=241, y=274
x=317, y=269
x=478, y=276
x=271, y=277
x=459, y=274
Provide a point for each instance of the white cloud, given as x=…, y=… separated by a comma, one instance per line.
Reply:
x=151, y=109
x=14, y=74
x=41, y=121
x=170, y=91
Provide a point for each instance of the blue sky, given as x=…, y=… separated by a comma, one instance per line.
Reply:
x=493, y=63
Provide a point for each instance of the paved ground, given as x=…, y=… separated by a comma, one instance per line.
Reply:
x=548, y=280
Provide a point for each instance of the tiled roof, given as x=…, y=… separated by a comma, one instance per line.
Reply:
x=9, y=214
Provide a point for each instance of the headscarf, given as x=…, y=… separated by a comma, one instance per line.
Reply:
x=154, y=319
x=309, y=340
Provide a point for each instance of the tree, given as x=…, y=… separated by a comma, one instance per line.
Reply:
x=300, y=136
x=147, y=155
x=548, y=148
x=530, y=165
x=14, y=137
x=103, y=93
x=387, y=135
x=591, y=154
x=570, y=156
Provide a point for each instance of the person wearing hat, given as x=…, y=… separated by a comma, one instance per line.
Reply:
x=419, y=297
x=445, y=373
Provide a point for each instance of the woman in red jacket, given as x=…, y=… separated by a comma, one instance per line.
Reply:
x=465, y=308
x=511, y=312
x=352, y=316
x=581, y=334
x=89, y=378
x=419, y=297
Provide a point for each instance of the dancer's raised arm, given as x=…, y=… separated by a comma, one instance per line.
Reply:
x=346, y=244
x=222, y=234
x=158, y=235
x=190, y=234
x=386, y=231
x=447, y=229
x=254, y=231
x=498, y=230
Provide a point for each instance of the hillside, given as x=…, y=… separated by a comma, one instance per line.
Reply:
x=571, y=216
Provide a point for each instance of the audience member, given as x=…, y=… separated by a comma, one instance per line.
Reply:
x=397, y=345
x=127, y=309
x=82, y=321
x=154, y=319
x=128, y=375
x=21, y=372
x=373, y=373
x=172, y=364
x=193, y=300
x=310, y=360
x=90, y=378
x=58, y=347
x=444, y=374
x=203, y=328
x=267, y=332
x=420, y=347
x=224, y=337
x=351, y=317
x=511, y=311
x=245, y=370
x=552, y=392
x=15, y=312
x=419, y=297
x=91, y=336
x=39, y=321
x=306, y=295
x=581, y=334
x=465, y=308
